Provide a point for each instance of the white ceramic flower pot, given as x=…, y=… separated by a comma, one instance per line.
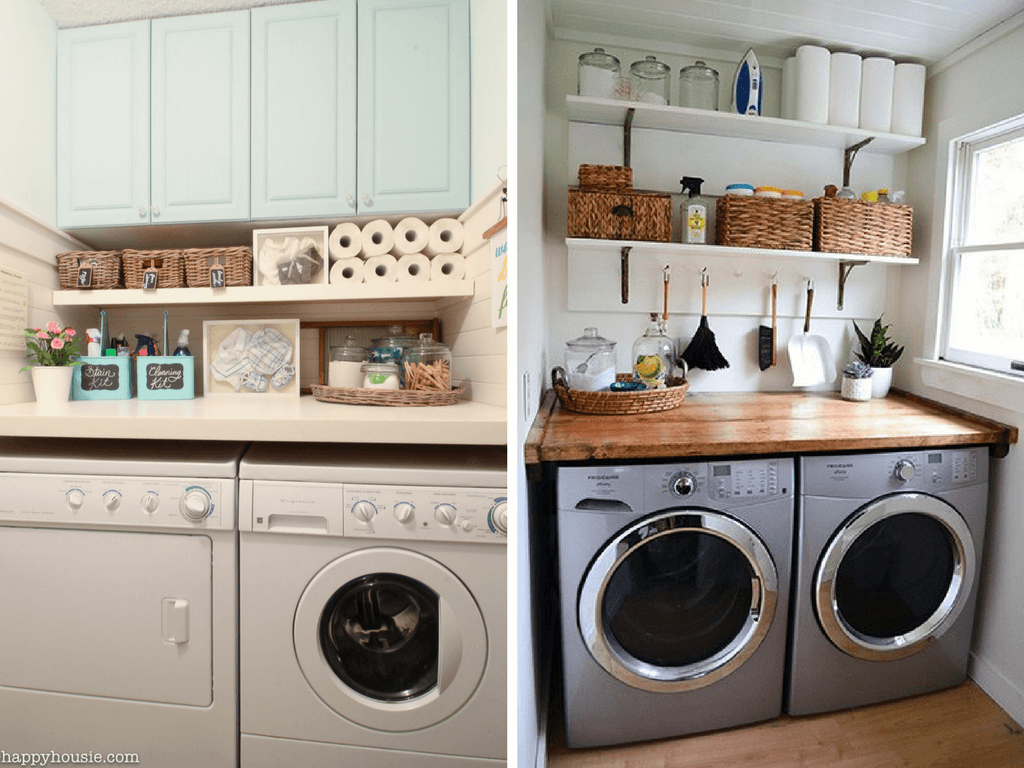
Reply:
x=52, y=383
x=881, y=380
x=856, y=389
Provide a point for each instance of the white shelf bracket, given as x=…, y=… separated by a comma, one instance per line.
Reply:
x=624, y=272
x=845, y=268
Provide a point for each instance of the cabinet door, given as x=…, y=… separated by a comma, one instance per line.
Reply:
x=201, y=118
x=103, y=125
x=413, y=105
x=304, y=110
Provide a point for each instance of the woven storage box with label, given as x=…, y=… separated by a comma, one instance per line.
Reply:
x=856, y=226
x=105, y=265
x=237, y=263
x=166, y=378
x=765, y=222
x=102, y=378
x=620, y=215
x=169, y=265
x=610, y=178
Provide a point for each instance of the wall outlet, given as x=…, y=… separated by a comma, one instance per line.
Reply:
x=527, y=407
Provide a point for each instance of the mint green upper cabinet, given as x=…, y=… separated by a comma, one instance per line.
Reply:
x=414, y=116
x=103, y=125
x=200, y=114
x=304, y=110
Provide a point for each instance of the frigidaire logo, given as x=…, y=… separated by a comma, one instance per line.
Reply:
x=839, y=466
x=602, y=477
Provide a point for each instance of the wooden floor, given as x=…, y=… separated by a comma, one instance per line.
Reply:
x=958, y=728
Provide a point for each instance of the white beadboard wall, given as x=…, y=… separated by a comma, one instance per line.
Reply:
x=29, y=245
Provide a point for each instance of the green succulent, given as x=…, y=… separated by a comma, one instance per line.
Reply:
x=856, y=369
x=878, y=350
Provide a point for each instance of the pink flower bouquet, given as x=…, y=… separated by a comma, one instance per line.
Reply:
x=52, y=346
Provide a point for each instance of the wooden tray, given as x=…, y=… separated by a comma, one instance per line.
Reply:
x=391, y=397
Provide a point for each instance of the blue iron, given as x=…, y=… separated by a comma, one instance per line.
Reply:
x=746, y=87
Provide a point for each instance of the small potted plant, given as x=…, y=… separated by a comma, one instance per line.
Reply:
x=54, y=349
x=881, y=353
x=857, y=381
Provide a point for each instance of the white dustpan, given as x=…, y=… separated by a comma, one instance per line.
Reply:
x=809, y=354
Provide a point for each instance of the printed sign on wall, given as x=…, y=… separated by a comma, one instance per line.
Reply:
x=13, y=310
x=499, y=278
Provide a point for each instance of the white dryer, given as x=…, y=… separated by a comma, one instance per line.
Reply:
x=886, y=577
x=372, y=606
x=118, y=566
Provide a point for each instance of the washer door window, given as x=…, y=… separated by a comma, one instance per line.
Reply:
x=678, y=600
x=894, y=577
x=390, y=639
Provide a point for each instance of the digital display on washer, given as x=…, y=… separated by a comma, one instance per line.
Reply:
x=722, y=470
x=934, y=458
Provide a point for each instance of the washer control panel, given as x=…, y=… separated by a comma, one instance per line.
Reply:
x=99, y=501
x=745, y=480
x=424, y=513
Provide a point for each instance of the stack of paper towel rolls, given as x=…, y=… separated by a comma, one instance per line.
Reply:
x=411, y=250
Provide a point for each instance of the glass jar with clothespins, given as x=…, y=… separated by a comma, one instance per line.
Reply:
x=427, y=364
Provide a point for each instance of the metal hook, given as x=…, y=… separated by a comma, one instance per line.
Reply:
x=775, y=274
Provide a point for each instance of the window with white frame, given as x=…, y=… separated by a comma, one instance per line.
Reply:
x=985, y=314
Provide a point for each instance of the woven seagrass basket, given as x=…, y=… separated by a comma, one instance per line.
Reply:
x=856, y=226
x=765, y=222
x=392, y=397
x=170, y=268
x=237, y=263
x=106, y=269
x=620, y=403
x=610, y=178
x=620, y=215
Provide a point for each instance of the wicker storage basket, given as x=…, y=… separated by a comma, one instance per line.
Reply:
x=237, y=263
x=765, y=222
x=106, y=269
x=856, y=226
x=170, y=267
x=610, y=178
x=392, y=397
x=620, y=403
x=620, y=215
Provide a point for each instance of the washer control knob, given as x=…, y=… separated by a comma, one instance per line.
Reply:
x=364, y=510
x=499, y=517
x=75, y=500
x=112, y=501
x=196, y=504
x=467, y=526
x=683, y=484
x=150, y=502
x=904, y=471
x=404, y=511
x=445, y=514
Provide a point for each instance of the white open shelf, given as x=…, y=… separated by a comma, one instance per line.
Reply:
x=251, y=417
x=687, y=250
x=684, y=119
x=267, y=294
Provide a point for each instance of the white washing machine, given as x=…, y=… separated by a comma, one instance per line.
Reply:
x=372, y=606
x=674, y=596
x=889, y=551
x=118, y=563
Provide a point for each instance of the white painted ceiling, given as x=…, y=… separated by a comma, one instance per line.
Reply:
x=925, y=31
x=83, y=13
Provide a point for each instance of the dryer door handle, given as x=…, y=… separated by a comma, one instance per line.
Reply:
x=449, y=652
x=755, y=597
x=174, y=624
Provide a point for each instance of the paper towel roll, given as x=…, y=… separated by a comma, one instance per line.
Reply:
x=411, y=235
x=876, y=82
x=378, y=239
x=812, y=76
x=380, y=269
x=348, y=270
x=346, y=241
x=908, y=99
x=844, y=90
x=446, y=236
x=789, y=88
x=412, y=267
x=448, y=267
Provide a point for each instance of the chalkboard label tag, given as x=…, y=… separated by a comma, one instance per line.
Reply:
x=217, y=279
x=149, y=279
x=85, y=277
x=106, y=378
x=160, y=376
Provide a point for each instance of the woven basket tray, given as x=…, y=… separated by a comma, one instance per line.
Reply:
x=610, y=178
x=106, y=269
x=392, y=397
x=621, y=403
x=620, y=215
x=765, y=222
x=237, y=263
x=856, y=226
x=170, y=267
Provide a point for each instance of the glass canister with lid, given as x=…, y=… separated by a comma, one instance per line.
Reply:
x=590, y=361
x=427, y=365
x=388, y=349
x=650, y=80
x=344, y=368
x=653, y=354
x=380, y=376
x=698, y=86
x=598, y=73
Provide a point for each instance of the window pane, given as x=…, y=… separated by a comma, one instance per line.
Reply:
x=988, y=310
x=996, y=204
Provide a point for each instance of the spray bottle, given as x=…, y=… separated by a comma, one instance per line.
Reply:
x=182, y=348
x=697, y=212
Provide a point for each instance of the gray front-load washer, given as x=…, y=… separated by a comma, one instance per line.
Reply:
x=674, y=596
x=888, y=556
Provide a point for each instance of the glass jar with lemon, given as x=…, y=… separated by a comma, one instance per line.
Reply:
x=653, y=354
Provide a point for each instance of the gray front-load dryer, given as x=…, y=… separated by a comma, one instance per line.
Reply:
x=888, y=556
x=674, y=596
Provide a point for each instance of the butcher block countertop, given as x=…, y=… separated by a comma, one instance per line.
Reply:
x=753, y=423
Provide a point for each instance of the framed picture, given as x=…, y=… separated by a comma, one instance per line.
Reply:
x=290, y=256
x=251, y=357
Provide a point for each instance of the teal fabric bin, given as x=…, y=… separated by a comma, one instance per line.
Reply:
x=166, y=378
x=102, y=378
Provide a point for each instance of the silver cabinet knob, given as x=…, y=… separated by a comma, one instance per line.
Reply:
x=352, y=201
x=142, y=211
x=156, y=211
x=366, y=199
